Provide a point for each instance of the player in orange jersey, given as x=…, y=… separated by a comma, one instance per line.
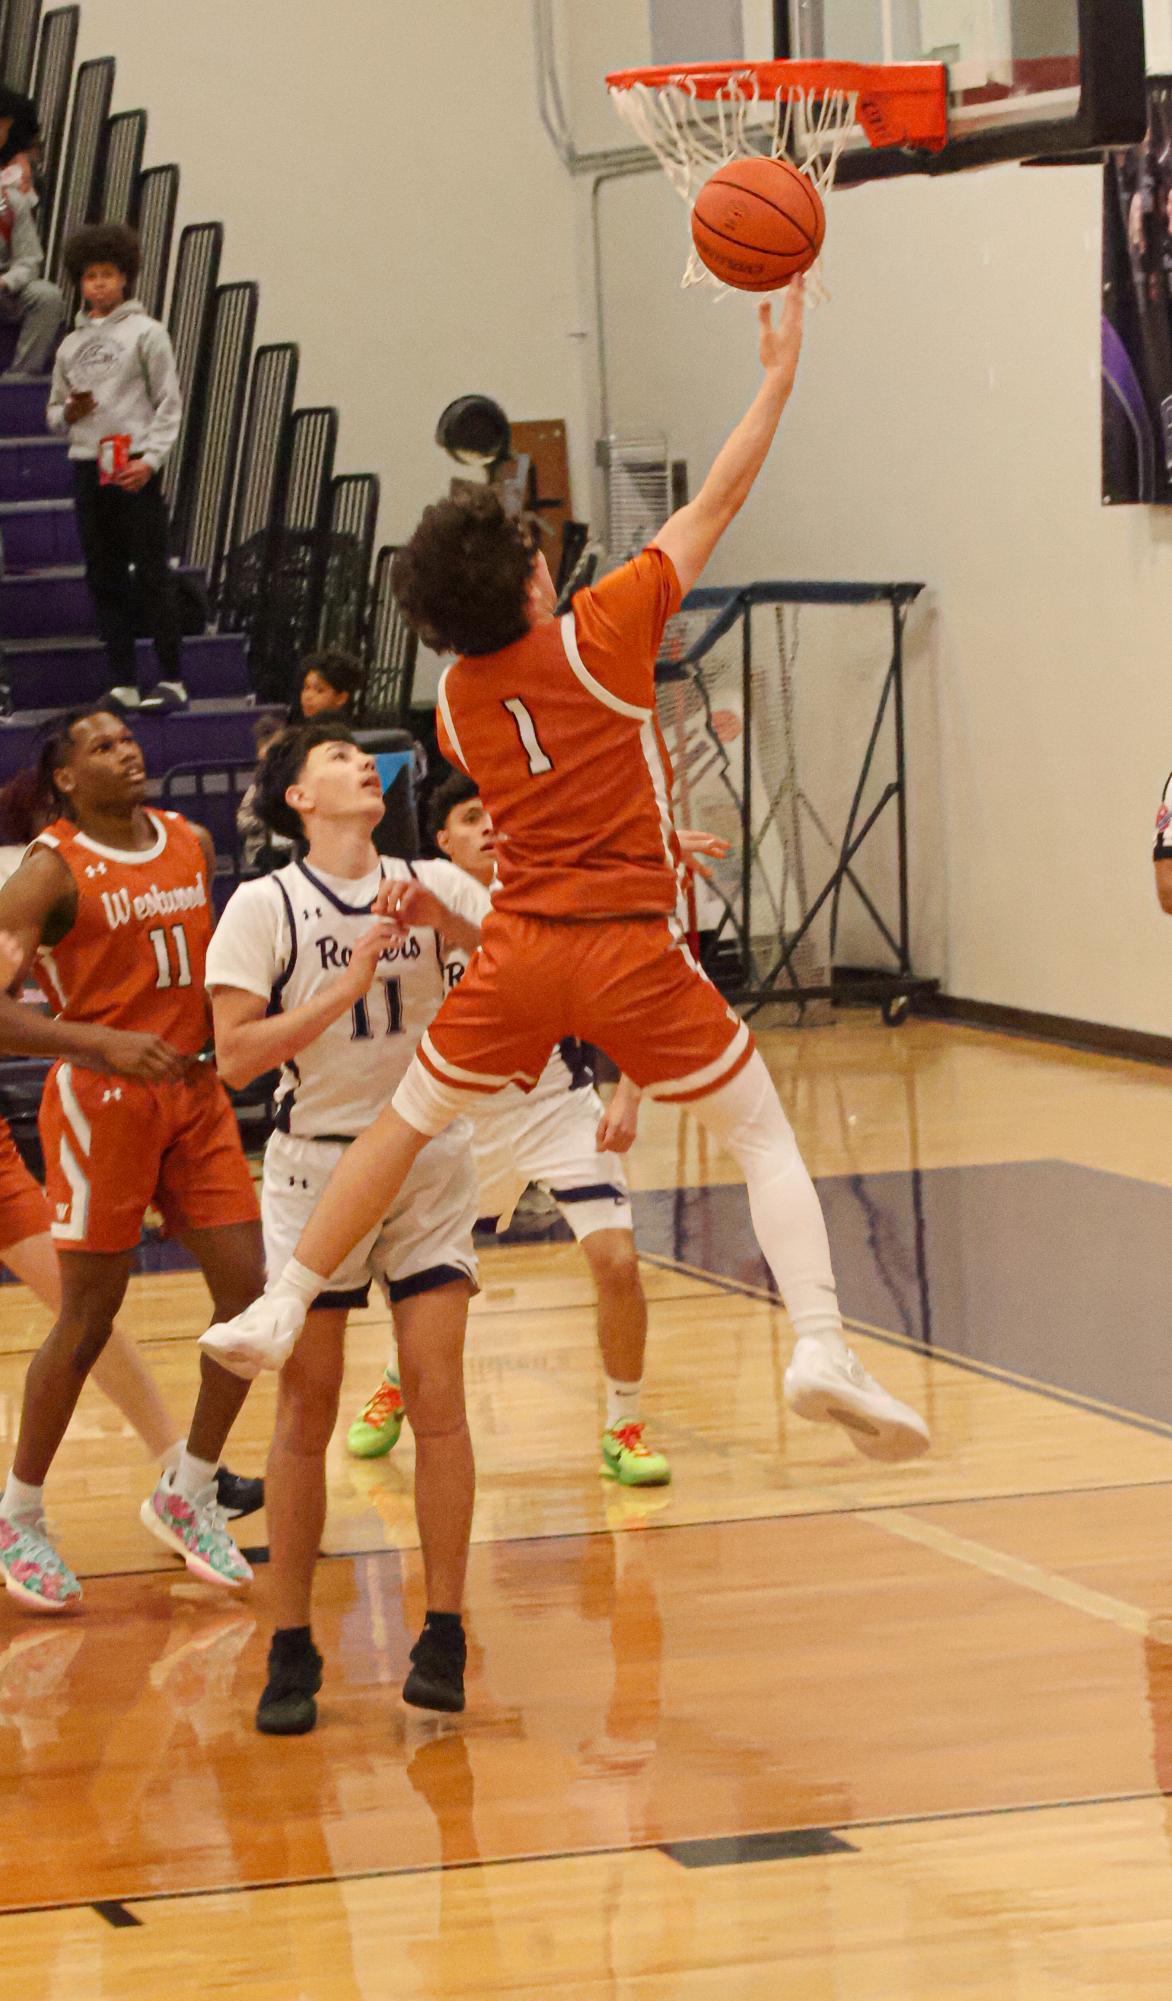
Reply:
x=555, y=720
x=111, y=909
x=28, y=1251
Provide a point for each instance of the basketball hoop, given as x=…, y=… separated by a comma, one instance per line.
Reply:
x=697, y=117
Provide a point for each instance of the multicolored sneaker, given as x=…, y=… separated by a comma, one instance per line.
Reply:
x=32, y=1569
x=377, y=1429
x=627, y=1457
x=197, y=1531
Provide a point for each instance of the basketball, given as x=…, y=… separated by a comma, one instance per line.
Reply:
x=758, y=222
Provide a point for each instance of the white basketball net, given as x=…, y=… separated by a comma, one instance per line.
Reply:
x=692, y=136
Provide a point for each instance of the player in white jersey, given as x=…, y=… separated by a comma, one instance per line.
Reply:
x=561, y=1137
x=302, y=976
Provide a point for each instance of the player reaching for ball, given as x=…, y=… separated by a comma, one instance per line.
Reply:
x=555, y=720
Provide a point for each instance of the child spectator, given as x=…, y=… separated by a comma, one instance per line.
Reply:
x=261, y=850
x=330, y=687
x=115, y=379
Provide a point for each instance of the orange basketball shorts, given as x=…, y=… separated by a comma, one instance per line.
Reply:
x=24, y=1211
x=113, y=1147
x=629, y=985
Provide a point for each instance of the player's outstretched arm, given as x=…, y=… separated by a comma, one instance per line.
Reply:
x=249, y=1041
x=694, y=531
x=37, y=907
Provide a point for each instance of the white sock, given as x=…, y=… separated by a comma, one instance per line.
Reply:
x=298, y=1282
x=171, y=1457
x=747, y=1119
x=21, y=1502
x=192, y=1475
x=622, y=1401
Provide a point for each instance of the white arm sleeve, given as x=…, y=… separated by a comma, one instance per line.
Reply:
x=250, y=945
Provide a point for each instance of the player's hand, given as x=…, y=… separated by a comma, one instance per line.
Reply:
x=364, y=958
x=133, y=477
x=782, y=344
x=77, y=404
x=410, y=903
x=619, y=1124
x=145, y=1057
x=11, y=960
x=694, y=842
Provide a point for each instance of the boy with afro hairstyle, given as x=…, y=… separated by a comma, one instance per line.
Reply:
x=115, y=377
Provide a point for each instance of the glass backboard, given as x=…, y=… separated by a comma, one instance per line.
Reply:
x=1027, y=79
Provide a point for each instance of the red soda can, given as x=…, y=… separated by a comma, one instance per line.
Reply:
x=113, y=457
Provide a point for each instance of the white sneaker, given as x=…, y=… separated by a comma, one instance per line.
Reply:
x=830, y=1389
x=125, y=698
x=166, y=695
x=261, y=1337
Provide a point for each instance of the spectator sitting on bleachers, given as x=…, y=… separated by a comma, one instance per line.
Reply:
x=20, y=143
x=261, y=850
x=330, y=687
x=25, y=296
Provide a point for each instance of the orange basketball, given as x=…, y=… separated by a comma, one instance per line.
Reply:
x=757, y=223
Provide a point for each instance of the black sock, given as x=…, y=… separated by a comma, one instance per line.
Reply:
x=447, y=1626
x=291, y=1644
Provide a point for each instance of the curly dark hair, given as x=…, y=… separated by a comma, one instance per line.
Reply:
x=103, y=243
x=463, y=578
x=455, y=789
x=343, y=672
x=282, y=765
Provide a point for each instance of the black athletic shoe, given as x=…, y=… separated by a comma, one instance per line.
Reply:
x=287, y=1707
x=436, y=1680
x=237, y=1494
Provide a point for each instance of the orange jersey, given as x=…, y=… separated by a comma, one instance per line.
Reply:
x=134, y=956
x=559, y=733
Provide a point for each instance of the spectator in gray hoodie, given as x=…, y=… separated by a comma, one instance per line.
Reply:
x=24, y=295
x=115, y=378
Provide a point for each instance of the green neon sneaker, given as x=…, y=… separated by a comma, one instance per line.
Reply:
x=376, y=1430
x=627, y=1458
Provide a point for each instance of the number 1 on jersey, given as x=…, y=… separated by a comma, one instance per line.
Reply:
x=527, y=731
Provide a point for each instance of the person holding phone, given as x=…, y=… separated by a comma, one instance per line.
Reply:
x=115, y=390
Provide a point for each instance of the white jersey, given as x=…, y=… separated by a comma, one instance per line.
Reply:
x=287, y=935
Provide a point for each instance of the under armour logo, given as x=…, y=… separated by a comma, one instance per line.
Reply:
x=116, y=1093
x=307, y=914
x=95, y=868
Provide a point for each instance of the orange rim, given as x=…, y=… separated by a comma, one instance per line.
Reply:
x=899, y=104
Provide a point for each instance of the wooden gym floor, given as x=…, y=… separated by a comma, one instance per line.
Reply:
x=797, y=1725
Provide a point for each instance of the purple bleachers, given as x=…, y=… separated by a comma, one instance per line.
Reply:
x=46, y=604
x=38, y=534
x=50, y=656
x=205, y=733
x=34, y=469
x=58, y=673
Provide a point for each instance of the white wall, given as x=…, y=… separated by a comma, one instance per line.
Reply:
x=946, y=427
x=380, y=167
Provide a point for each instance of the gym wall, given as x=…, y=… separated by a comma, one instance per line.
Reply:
x=380, y=167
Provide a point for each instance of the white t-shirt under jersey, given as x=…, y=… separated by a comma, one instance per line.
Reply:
x=287, y=935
